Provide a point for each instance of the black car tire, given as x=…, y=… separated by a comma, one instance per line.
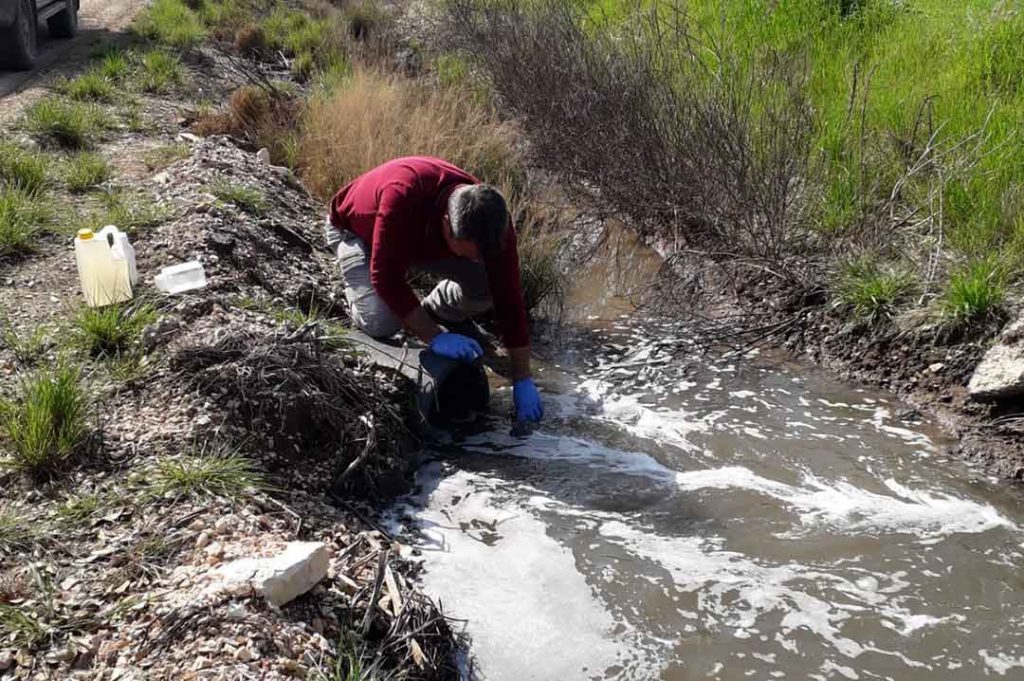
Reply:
x=18, y=41
x=64, y=24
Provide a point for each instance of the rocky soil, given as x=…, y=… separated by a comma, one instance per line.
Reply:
x=113, y=570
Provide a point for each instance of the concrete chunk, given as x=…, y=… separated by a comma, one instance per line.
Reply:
x=294, y=572
x=281, y=578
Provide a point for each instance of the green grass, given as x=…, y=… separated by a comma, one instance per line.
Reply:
x=210, y=472
x=26, y=346
x=79, y=509
x=129, y=212
x=172, y=23
x=85, y=171
x=923, y=67
x=16, y=533
x=46, y=424
x=21, y=630
x=115, y=65
x=160, y=72
x=66, y=124
x=91, y=86
x=113, y=330
x=974, y=294
x=248, y=199
x=23, y=169
x=873, y=292
x=22, y=217
x=163, y=156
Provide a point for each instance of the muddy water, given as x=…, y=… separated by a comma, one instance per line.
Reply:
x=689, y=516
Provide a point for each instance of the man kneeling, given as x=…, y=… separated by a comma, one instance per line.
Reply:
x=422, y=213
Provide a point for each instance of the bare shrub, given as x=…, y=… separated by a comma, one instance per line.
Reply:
x=251, y=41
x=371, y=118
x=260, y=115
x=705, y=154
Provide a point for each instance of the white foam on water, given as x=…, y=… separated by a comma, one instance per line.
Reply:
x=928, y=515
x=999, y=662
x=519, y=590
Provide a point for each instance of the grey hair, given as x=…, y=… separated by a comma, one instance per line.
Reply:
x=478, y=212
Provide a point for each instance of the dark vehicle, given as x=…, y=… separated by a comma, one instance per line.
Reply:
x=19, y=25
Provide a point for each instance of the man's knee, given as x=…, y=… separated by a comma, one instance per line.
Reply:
x=374, y=318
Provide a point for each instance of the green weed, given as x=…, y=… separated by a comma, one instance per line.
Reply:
x=46, y=424
x=21, y=169
x=91, y=86
x=22, y=217
x=70, y=125
x=21, y=629
x=161, y=157
x=219, y=472
x=542, y=280
x=129, y=212
x=171, y=22
x=115, y=65
x=874, y=292
x=16, y=532
x=113, y=330
x=26, y=346
x=86, y=170
x=160, y=72
x=248, y=199
x=974, y=294
x=79, y=509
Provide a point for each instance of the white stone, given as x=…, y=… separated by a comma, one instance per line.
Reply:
x=999, y=374
x=936, y=368
x=294, y=572
x=6, y=660
x=281, y=578
x=263, y=156
x=202, y=540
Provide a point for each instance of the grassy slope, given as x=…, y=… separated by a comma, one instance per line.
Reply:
x=886, y=78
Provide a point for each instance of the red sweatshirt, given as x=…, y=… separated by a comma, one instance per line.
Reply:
x=397, y=208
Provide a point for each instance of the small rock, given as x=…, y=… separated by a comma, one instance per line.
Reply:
x=6, y=660
x=187, y=137
x=225, y=524
x=245, y=654
x=215, y=549
x=202, y=540
x=999, y=374
x=263, y=156
x=936, y=368
x=197, y=525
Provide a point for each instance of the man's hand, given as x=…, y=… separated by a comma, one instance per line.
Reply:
x=456, y=346
x=527, y=400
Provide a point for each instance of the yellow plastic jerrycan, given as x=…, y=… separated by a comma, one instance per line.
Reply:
x=106, y=266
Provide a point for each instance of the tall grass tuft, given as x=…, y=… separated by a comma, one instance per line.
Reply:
x=16, y=532
x=975, y=294
x=46, y=424
x=160, y=72
x=23, y=170
x=874, y=292
x=213, y=470
x=91, y=86
x=113, y=330
x=22, y=217
x=370, y=118
x=86, y=170
x=70, y=125
x=171, y=22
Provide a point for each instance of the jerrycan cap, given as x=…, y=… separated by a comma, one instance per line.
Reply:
x=85, y=234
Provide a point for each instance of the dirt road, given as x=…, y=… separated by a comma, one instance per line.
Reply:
x=100, y=21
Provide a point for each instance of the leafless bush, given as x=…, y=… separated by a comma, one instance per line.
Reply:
x=289, y=388
x=705, y=159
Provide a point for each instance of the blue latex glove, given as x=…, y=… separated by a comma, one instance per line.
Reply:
x=527, y=400
x=456, y=346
